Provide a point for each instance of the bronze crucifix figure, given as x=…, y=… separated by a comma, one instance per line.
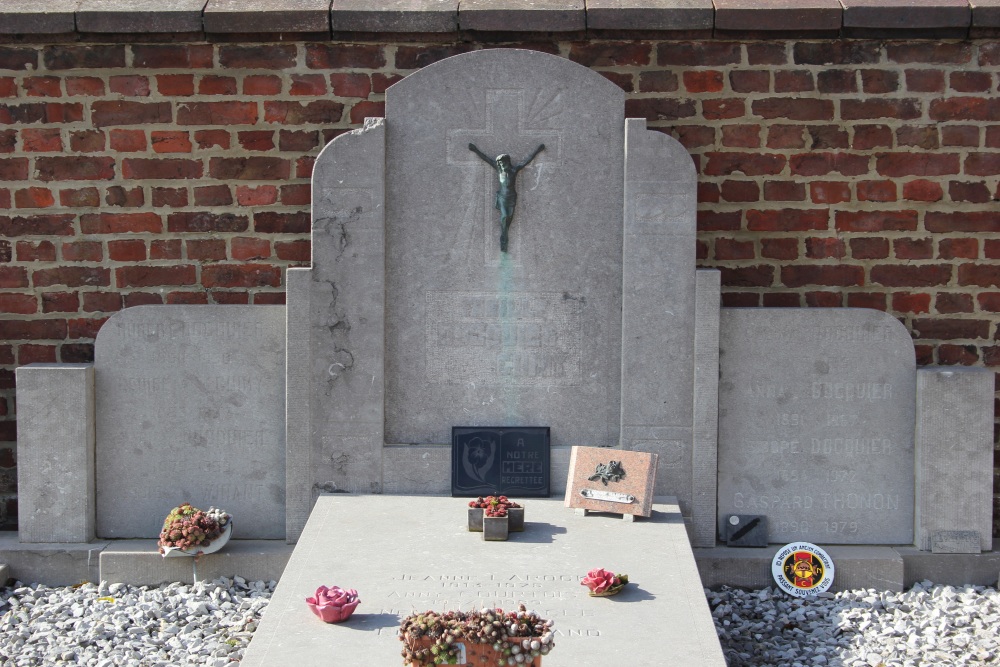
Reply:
x=507, y=192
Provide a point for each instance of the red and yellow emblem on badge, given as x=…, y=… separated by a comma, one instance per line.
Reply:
x=802, y=569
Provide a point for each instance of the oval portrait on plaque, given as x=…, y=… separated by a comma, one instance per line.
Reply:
x=802, y=569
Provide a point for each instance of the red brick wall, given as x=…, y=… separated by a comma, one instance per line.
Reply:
x=833, y=173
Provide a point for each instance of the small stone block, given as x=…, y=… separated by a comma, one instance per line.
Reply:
x=907, y=14
x=579, y=511
x=515, y=519
x=746, y=530
x=476, y=519
x=495, y=528
x=798, y=15
x=956, y=542
x=129, y=16
x=274, y=16
x=985, y=13
x=628, y=517
x=650, y=14
x=394, y=15
x=42, y=17
x=4, y=574
x=522, y=15
x=56, y=441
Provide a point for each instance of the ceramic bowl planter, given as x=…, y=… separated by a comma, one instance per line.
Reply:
x=210, y=548
x=333, y=605
x=189, y=531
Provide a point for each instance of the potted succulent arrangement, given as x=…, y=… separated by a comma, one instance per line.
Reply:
x=189, y=531
x=486, y=637
x=335, y=604
x=507, y=516
x=603, y=583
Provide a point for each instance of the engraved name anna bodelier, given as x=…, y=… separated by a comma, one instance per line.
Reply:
x=507, y=191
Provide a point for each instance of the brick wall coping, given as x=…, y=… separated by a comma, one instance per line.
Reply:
x=24, y=19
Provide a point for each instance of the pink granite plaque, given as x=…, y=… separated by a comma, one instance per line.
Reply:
x=611, y=480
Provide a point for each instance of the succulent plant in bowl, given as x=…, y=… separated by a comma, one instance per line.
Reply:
x=191, y=531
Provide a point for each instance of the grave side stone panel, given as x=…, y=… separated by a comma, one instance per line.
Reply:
x=530, y=337
x=55, y=451
x=658, y=306
x=705, y=445
x=299, y=494
x=816, y=414
x=954, y=454
x=190, y=407
x=346, y=313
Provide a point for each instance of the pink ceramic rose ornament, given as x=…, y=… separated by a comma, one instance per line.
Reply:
x=603, y=583
x=334, y=604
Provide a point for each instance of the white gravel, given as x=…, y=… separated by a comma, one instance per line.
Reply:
x=927, y=625
x=100, y=626
x=211, y=624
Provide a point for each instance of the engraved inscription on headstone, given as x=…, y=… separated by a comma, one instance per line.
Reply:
x=499, y=460
x=816, y=418
x=503, y=339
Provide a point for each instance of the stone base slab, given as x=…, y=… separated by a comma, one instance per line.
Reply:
x=137, y=562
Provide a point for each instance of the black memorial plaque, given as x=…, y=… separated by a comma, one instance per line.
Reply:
x=495, y=460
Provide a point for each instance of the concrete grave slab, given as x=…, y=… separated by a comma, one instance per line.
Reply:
x=55, y=447
x=190, y=407
x=406, y=554
x=816, y=413
x=954, y=458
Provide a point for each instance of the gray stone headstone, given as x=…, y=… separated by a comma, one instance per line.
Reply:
x=412, y=321
x=190, y=408
x=55, y=451
x=816, y=412
x=954, y=458
x=532, y=336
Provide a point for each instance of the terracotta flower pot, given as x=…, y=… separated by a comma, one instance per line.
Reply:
x=477, y=655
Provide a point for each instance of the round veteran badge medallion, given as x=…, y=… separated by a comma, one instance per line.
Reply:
x=802, y=569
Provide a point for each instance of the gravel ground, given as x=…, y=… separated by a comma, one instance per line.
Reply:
x=211, y=624
x=172, y=625
x=927, y=625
